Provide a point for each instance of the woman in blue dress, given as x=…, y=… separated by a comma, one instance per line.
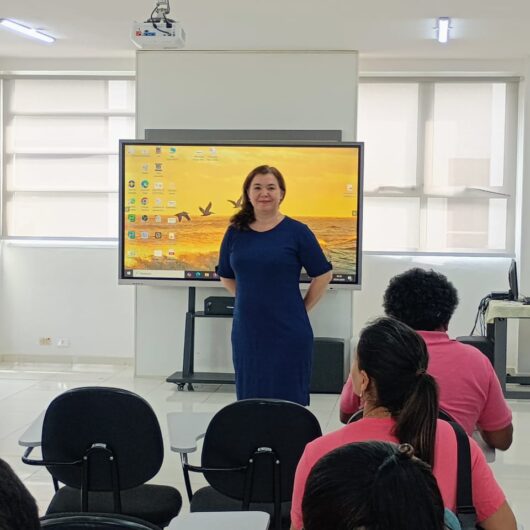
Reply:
x=260, y=261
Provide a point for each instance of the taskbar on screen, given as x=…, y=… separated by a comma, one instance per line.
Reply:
x=211, y=275
x=338, y=278
x=170, y=274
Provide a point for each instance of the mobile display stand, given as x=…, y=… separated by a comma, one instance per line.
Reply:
x=188, y=375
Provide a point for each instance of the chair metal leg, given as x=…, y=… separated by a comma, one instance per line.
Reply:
x=277, y=495
x=247, y=488
x=185, y=471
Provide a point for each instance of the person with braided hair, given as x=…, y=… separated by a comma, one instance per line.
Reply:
x=401, y=405
x=374, y=485
x=261, y=257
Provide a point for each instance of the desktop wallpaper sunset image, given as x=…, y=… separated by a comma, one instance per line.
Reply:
x=177, y=200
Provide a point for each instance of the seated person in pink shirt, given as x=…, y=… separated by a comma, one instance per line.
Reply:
x=401, y=406
x=361, y=485
x=470, y=391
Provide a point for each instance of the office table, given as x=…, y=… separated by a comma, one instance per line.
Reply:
x=221, y=521
x=498, y=313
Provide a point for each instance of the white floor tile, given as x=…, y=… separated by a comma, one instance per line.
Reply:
x=27, y=388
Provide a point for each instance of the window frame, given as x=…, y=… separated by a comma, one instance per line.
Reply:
x=6, y=116
x=426, y=85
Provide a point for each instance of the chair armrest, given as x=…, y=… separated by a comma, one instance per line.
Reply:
x=30, y=461
x=185, y=430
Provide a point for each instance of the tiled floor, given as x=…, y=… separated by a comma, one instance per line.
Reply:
x=26, y=390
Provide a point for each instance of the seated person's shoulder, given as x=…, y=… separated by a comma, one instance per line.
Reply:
x=472, y=356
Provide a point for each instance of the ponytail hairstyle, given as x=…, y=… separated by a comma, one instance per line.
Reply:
x=395, y=359
x=242, y=219
x=373, y=486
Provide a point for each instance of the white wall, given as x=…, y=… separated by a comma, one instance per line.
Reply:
x=73, y=292
x=63, y=292
x=519, y=331
x=34, y=65
x=235, y=90
x=523, y=207
x=474, y=278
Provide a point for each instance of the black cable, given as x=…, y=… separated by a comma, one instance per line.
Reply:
x=161, y=30
x=150, y=19
x=481, y=315
x=157, y=20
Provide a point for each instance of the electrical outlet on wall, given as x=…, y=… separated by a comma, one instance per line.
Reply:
x=45, y=341
x=63, y=343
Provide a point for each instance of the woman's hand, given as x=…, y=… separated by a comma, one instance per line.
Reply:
x=229, y=284
x=316, y=290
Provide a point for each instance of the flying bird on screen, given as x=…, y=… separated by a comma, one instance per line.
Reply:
x=183, y=215
x=206, y=211
x=236, y=204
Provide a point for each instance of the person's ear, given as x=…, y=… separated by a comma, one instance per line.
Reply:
x=365, y=382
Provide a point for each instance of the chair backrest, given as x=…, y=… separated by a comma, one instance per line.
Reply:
x=120, y=419
x=94, y=521
x=241, y=429
x=484, y=344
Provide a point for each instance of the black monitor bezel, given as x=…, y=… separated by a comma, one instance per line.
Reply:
x=513, y=293
x=214, y=282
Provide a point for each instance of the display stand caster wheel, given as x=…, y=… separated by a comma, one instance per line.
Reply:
x=190, y=387
x=180, y=387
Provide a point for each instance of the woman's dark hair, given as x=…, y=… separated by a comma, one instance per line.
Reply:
x=373, y=486
x=395, y=358
x=242, y=219
x=425, y=300
x=18, y=509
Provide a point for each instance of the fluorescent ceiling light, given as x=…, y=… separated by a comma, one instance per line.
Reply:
x=442, y=28
x=29, y=32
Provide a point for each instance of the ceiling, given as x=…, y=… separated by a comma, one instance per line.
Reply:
x=481, y=29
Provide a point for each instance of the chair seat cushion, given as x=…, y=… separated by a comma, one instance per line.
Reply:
x=208, y=499
x=150, y=502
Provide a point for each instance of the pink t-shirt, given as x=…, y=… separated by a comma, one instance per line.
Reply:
x=469, y=388
x=487, y=494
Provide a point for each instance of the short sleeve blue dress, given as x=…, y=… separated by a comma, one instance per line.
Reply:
x=272, y=339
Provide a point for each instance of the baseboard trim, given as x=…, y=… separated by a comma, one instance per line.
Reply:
x=67, y=359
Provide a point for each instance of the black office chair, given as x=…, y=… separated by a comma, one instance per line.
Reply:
x=94, y=521
x=104, y=444
x=249, y=457
x=484, y=344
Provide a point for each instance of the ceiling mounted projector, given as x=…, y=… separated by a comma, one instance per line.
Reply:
x=159, y=32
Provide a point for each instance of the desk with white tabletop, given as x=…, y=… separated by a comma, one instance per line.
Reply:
x=489, y=452
x=32, y=436
x=498, y=313
x=186, y=429
x=221, y=521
